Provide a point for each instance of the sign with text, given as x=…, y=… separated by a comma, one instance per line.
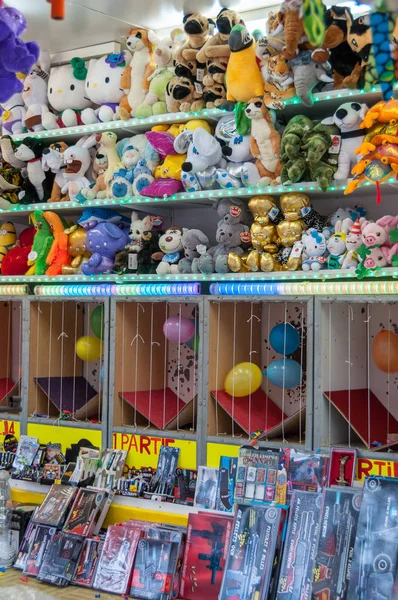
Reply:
x=372, y=466
x=64, y=435
x=143, y=450
x=9, y=428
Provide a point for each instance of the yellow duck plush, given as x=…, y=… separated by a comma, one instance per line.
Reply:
x=243, y=78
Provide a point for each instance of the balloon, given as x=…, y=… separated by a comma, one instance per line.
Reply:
x=97, y=321
x=284, y=338
x=385, y=351
x=193, y=343
x=179, y=329
x=89, y=348
x=284, y=372
x=243, y=379
x=102, y=373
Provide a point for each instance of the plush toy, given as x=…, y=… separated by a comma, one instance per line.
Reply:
x=353, y=243
x=243, y=78
x=147, y=265
x=126, y=260
x=314, y=250
x=265, y=142
x=203, y=156
x=378, y=234
x=214, y=93
x=278, y=80
x=292, y=25
x=59, y=252
x=139, y=160
x=348, y=118
x=99, y=166
x=67, y=95
x=8, y=238
x=375, y=258
x=11, y=180
x=135, y=79
x=241, y=169
x=181, y=93
x=359, y=39
x=312, y=219
x=103, y=87
x=108, y=142
x=293, y=135
x=263, y=237
x=155, y=100
x=197, y=29
x=53, y=159
x=35, y=93
x=233, y=211
x=307, y=74
x=291, y=229
x=192, y=241
x=42, y=243
x=337, y=247
x=30, y=151
x=78, y=160
x=168, y=174
x=16, y=56
x=13, y=117
x=77, y=248
x=170, y=244
x=91, y=217
x=103, y=240
x=15, y=262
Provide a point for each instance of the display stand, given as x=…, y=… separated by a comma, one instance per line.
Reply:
x=160, y=407
x=72, y=394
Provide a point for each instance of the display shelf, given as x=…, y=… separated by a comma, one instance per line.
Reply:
x=200, y=198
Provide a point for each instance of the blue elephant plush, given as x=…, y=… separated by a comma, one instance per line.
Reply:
x=103, y=241
x=16, y=56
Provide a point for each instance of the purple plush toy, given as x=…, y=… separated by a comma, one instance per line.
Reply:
x=103, y=241
x=16, y=56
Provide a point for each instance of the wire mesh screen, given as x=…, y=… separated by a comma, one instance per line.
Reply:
x=258, y=370
x=66, y=364
x=10, y=354
x=156, y=365
x=359, y=374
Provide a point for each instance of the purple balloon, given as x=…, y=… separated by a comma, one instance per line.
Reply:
x=179, y=329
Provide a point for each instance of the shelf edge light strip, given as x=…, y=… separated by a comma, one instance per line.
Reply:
x=13, y=290
x=141, y=289
x=329, y=288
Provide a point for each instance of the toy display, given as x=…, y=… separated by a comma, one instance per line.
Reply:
x=86, y=567
x=226, y=483
x=303, y=471
x=342, y=466
x=154, y=569
x=162, y=483
x=338, y=528
x=256, y=476
x=56, y=505
x=374, y=563
x=298, y=560
x=60, y=559
x=85, y=512
x=206, y=488
x=40, y=539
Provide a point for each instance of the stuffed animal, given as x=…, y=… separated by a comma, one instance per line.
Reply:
x=78, y=160
x=265, y=143
x=16, y=56
x=103, y=240
x=314, y=250
x=307, y=74
x=291, y=19
x=168, y=173
x=77, y=248
x=108, y=142
x=42, y=243
x=59, y=252
x=293, y=135
x=243, y=78
x=13, y=117
x=8, y=238
x=155, y=100
x=278, y=80
x=182, y=95
x=348, y=118
x=126, y=260
x=353, y=243
x=99, y=166
x=35, y=93
x=241, y=169
x=30, y=151
x=378, y=234
x=170, y=244
x=359, y=39
x=91, y=217
x=53, y=159
x=135, y=79
x=374, y=258
x=147, y=265
x=337, y=247
x=139, y=160
x=15, y=262
x=192, y=240
x=312, y=219
x=103, y=87
x=197, y=29
x=203, y=156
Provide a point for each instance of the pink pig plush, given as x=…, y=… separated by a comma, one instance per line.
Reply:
x=380, y=257
x=377, y=234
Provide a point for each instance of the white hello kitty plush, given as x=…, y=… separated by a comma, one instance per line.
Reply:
x=34, y=93
x=314, y=250
x=103, y=87
x=67, y=95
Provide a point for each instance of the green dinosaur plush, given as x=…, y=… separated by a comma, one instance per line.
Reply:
x=323, y=174
x=294, y=170
x=293, y=135
x=320, y=155
x=42, y=243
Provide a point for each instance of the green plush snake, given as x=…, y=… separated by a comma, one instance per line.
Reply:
x=314, y=21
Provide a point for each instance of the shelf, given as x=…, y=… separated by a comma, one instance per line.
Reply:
x=197, y=199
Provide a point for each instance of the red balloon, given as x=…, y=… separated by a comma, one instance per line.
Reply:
x=385, y=351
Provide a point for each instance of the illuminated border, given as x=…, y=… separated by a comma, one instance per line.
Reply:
x=140, y=289
x=13, y=290
x=329, y=288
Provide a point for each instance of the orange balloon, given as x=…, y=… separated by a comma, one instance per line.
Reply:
x=385, y=351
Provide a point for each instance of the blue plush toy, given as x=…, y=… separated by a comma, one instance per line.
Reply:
x=103, y=241
x=16, y=56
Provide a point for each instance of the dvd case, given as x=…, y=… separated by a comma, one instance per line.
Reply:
x=298, y=558
x=374, y=565
x=55, y=506
x=115, y=565
x=338, y=528
x=60, y=559
x=154, y=569
x=251, y=553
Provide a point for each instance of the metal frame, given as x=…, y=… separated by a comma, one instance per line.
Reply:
x=309, y=380
x=103, y=426
x=199, y=434
x=317, y=378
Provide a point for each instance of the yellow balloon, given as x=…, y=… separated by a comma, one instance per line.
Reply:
x=243, y=379
x=89, y=348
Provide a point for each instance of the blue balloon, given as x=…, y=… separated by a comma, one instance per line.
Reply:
x=102, y=373
x=284, y=338
x=284, y=372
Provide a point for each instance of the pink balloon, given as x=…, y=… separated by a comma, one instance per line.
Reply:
x=179, y=329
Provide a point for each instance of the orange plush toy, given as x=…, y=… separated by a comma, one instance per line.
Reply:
x=59, y=253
